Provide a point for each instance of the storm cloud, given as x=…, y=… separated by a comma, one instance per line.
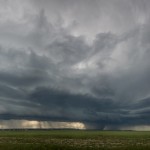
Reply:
x=75, y=61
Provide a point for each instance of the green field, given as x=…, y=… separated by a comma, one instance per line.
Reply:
x=74, y=140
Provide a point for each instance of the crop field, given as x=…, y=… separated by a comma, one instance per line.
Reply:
x=73, y=140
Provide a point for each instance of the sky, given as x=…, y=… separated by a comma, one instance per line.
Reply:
x=75, y=64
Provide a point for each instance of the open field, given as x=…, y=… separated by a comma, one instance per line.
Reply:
x=74, y=140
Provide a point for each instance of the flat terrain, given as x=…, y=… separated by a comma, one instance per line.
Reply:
x=74, y=140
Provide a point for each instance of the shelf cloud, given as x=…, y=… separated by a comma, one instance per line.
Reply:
x=75, y=61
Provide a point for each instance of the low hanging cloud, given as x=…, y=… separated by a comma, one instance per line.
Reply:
x=71, y=61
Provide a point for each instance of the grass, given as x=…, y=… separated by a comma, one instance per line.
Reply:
x=74, y=140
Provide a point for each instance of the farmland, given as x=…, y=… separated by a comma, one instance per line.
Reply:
x=74, y=140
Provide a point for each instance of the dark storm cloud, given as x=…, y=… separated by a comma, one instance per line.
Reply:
x=75, y=61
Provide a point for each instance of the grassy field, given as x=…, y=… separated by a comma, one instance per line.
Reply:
x=74, y=140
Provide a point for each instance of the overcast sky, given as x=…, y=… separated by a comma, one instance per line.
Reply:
x=84, y=61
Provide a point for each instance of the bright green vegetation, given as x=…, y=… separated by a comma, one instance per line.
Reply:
x=74, y=140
